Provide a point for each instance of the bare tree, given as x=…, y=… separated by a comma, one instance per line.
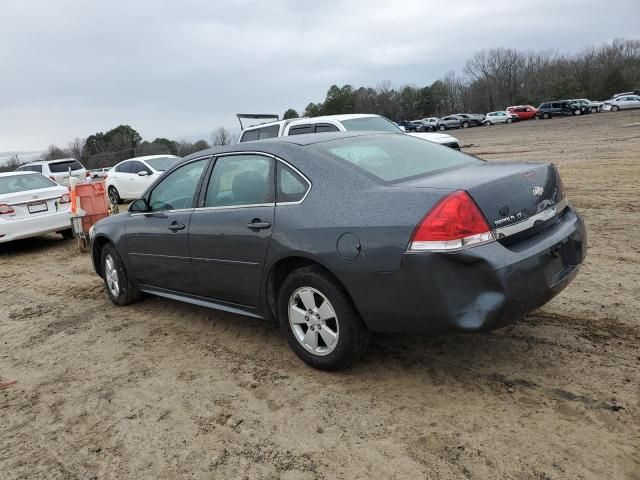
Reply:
x=221, y=136
x=76, y=148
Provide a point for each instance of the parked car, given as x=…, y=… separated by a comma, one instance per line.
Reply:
x=32, y=205
x=440, y=138
x=472, y=119
x=57, y=170
x=430, y=123
x=346, y=234
x=98, y=173
x=410, y=126
x=451, y=121
x=129, y=178
x=334, y=123
x=635, y=92
x=558, y=108
x=523, y=112
x=595, y=107
x=622, y=103
x=493, y=118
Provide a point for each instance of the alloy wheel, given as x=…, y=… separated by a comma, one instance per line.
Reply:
x=313, y=321
x=111, y=275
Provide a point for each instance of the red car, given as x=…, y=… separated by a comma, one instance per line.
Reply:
x=523, y=112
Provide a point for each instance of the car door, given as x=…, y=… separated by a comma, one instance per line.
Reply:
x=230, y=232
x=139, y=179
x=157, y=239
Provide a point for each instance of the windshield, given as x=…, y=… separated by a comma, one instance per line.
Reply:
x=22, y=183
x=161, y=164
x=374, y=124
x=392, y=158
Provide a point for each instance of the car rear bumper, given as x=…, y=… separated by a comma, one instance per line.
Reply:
x=477, y=289
x=34, y=226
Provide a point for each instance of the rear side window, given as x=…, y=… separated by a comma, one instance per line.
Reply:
x=60, y=167
x=124, y=167
x=301, y=130
x=291, y=186
x=326, y=127
x=556, y=105
x=22, y=183
x=393, y=158
x=269, y=132
x=240, y=180
x=249, y=135
x=376, y=124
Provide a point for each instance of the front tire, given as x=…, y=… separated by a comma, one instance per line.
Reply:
x=615, y=108
x=577, y=112
x=465, y=124
x=509, y=120
x=114, y=196
x=120, y=288
x=442, y=128
x=322, y=325
x=546, y=116
x=487, y=123
x=66, y=234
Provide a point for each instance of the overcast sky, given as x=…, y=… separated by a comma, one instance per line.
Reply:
x=181, y=68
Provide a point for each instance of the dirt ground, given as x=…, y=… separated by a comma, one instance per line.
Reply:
x=165, y=390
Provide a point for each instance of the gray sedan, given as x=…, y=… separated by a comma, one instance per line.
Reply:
x=337, y=235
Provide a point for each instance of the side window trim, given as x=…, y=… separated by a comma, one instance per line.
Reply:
x=208, y=171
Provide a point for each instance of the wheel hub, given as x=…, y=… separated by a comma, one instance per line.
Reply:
x=111, y=276
x=313, y=321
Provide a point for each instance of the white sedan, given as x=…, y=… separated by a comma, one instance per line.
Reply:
x=32, y=205
x=130, y=178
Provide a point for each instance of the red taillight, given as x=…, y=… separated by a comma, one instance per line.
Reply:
x=455, y=222
x=66, y=198
x=5, y=209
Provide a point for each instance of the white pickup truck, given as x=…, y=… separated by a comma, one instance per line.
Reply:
x=333, y=123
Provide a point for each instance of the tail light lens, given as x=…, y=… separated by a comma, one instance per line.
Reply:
x=455, y=222
x=66, y=198
x=6, y=209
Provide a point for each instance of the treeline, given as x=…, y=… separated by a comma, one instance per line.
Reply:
x=102, y=150
x=495, y=79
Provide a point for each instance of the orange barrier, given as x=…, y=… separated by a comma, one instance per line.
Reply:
x=92, y=201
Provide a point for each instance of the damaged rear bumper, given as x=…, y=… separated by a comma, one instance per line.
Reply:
x=477, y=289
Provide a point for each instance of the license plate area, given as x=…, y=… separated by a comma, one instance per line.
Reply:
x=37, y=207
x=562, y=262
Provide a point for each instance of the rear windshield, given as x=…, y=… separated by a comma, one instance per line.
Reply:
x=373, y=124
x=21, y=183
x=59, y=167
x=161, y=164
x=393, y=158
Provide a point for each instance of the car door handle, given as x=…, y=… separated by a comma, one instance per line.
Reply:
x=258, y=225
x=174, y=227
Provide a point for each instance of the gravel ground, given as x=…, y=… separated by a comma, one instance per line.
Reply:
x=161, y=389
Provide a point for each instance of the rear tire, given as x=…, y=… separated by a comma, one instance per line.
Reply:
x=120, y=288
x=66, y=234
x=114, y=195
x=310, y=298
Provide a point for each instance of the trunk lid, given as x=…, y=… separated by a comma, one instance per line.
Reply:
x=33, y=203
x=507, y=193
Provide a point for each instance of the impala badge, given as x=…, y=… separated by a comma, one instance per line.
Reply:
x=537, y=191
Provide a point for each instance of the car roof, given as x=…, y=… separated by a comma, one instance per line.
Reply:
x=149, y=157
x=323, y=118
x=297, y=140
x=9, y=174
x=48, y=162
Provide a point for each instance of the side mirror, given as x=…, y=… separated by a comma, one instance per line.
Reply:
x=139, y=206
x=143, y=173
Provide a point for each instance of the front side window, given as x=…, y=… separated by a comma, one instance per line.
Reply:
x=291, y=186
x=137, y=167
x=239, y=180
x=178, y=189
x=301, y=129
x=327, y=127
x=393, y=158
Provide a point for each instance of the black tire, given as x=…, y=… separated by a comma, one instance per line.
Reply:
x=487, y=123
x=509, y=120
x=546, y=115
x=353, y=336
x=465, y=124
x=615, y=108
x=577, y=112
x=114, y=195
x=442, y=127
x=66, y=234
x=127, y=291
